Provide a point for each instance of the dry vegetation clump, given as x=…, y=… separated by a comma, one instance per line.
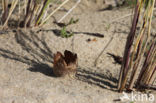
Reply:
x=135, y=49
x=31, y=13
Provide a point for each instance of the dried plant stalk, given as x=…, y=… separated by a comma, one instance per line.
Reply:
x=32, y=13
x=150, y=63
x=149, y=57
x=124, y=69
x=13, y=5
x=69, y=11
x=5, y=10
x=24, y=22
x=139, y=49
x=153, y=76
x=53, y=12
x=45, y=5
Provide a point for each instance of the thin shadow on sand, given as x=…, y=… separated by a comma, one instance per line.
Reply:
x=98, y=79
x=105, y=47
x=36, y=47
x=58, y=33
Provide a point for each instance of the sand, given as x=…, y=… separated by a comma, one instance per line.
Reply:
x=26, y=59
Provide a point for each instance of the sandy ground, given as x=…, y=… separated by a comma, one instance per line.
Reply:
x=26, y=60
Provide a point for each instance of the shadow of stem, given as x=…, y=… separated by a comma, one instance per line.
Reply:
x=101, y=80
x=36, y=47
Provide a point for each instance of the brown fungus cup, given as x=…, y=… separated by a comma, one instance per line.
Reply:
x=65, y=64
